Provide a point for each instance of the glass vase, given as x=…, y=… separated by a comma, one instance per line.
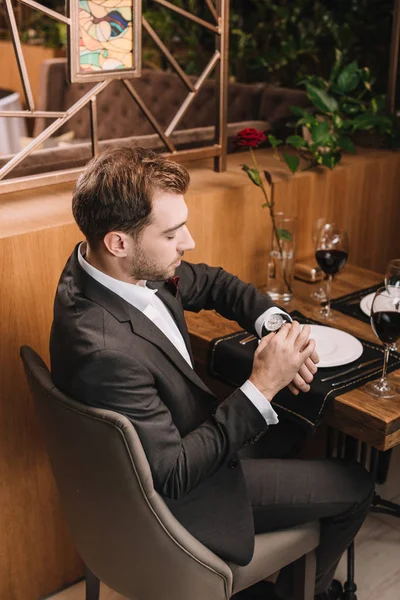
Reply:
x=281, y=259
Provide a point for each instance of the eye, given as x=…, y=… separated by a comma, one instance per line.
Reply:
x=171, y=237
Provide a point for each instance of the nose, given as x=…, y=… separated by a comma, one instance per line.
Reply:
x=187, y=242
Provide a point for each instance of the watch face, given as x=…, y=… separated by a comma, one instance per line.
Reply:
x=274, y=322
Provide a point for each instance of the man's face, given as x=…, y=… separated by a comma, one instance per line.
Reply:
x=160, y=246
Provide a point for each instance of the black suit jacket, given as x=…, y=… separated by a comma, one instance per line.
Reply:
x=106, y=353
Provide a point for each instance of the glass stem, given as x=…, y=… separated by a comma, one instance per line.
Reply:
x=385, y=363
x=328, y=295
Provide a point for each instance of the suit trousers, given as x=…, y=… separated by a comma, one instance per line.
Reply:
x=289, y=492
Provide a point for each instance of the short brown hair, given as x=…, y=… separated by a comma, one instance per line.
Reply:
x=115, y=191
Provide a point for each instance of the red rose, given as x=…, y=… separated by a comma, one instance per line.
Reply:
x=249, y=138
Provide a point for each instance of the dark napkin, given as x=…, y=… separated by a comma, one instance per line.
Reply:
x=232, y=363
x=350, y=303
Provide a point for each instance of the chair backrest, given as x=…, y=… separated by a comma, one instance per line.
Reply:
x=121, y=527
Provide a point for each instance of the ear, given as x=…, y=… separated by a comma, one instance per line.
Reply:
x=117, y=243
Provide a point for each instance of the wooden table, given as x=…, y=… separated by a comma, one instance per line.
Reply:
x=371, y=420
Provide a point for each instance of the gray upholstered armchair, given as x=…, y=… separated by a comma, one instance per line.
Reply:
x=122, y=528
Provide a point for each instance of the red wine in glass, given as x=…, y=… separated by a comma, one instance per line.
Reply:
x=331, y=252
x=318, y=295
x=331, y=261
x=385, y=322
x=386, y=326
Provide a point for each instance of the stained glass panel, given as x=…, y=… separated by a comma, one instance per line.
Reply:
x=105, y=35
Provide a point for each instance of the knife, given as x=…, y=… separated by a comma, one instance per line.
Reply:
x=352, y=379
x=360, y=366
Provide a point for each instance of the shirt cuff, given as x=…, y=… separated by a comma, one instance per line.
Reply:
x=262, y=318
x=260, y=402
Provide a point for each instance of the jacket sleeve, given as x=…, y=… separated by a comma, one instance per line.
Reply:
x=115, y=381
x=212, y=288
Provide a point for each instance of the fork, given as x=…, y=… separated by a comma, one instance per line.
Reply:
x=351, y=370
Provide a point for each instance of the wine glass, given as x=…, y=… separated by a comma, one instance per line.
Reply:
x=331, y=252
x=320, y=294
x=392, y=273
x=392, y=278
x=385, y=322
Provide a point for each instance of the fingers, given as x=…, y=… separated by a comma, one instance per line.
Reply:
x=264, y=343
x=314, y=357
x=308, y=350
x=293, y=389
x=284, y=331
x=311, y=366
x=305, y=373
x=302, y=338
x=300, y=384
x=294, y=331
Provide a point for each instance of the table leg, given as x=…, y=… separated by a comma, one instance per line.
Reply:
x=347, y=447
x=350, y=586
x=377, y=463
x=92, y=585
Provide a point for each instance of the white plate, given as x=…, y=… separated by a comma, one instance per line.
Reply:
x=366, y=304
x=335, y=347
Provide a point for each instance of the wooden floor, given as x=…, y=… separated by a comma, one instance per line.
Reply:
x=377, y=558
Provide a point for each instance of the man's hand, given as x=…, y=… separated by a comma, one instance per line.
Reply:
x=280, y=357
x=302, y=379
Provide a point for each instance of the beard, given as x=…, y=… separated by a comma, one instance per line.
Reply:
x=145, y=268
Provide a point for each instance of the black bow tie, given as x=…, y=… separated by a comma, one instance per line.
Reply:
x=173, y=284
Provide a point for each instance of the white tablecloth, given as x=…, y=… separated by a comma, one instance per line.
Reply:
x=11, y=128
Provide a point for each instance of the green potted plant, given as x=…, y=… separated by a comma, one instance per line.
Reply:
x=341, y=108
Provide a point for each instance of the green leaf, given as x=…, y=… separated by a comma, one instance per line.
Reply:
x=350, y=109
x=284, y=234
x=337, y=64
x=322, y=99
x=365, y=75
x=349, y=78
x=346, y=144
x=253, y=174
x=330, y=159
x=338, y=122
x=291, y=161
x=298, y=111
x=274, y=141
x=296, y=141
x=320, y=133
x=268, y=177
x=374, y=105
x=369, y=121
x=307, y=121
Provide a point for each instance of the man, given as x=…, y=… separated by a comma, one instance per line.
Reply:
x=119, y=341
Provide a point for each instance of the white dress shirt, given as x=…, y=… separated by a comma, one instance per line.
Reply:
x=150, y=304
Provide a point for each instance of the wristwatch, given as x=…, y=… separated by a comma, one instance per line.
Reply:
x=274, y=322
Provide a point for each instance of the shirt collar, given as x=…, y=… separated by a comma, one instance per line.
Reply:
x=138, y=295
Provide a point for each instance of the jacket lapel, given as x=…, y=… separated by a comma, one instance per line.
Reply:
x=142, y=326
x=145, y=328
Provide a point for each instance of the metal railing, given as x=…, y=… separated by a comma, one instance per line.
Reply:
x=218, y=63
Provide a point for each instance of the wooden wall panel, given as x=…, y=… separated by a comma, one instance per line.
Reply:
x=36, y=552
x=37, y=233
x=362, y=195
x=34, y=56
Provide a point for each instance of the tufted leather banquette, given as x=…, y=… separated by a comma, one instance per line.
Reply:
x=163, y=93
x=121, y=122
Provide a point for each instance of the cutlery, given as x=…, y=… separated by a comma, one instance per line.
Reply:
x=352, y=379
x=360, y=366
x=247, y=339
